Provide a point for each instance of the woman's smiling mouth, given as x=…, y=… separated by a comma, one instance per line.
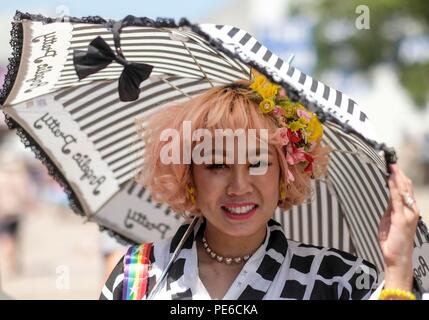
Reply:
x=239, y=211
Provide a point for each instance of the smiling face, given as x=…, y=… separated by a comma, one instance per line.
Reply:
x=224, y=193
x=233, y=201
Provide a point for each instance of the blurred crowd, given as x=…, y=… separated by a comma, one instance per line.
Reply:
x=17, y=195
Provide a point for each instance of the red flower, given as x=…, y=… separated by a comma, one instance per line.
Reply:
x=294, y=137
x=310, y=160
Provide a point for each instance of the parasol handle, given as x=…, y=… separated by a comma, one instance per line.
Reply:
x=173, y=257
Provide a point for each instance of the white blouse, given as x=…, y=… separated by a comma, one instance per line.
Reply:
x=279, y=269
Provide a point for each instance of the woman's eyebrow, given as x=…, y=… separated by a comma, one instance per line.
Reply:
x=221, y=152
x=258, y=151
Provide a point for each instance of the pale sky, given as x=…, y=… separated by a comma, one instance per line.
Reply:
x=192, y=9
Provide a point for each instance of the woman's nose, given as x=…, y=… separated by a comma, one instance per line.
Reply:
x=239, y=183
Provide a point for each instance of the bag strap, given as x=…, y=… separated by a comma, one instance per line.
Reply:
x=136, y=271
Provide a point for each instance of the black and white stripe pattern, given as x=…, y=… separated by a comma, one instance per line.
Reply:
x=171, y=52
x=308, y=223
x=279, y=269
x=110, y=123
x=141, y=193
x=347, y=206
x=333, y=101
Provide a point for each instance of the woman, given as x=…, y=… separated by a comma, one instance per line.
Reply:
x=236, y=251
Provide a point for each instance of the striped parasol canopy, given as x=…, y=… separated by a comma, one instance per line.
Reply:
x=81, y=123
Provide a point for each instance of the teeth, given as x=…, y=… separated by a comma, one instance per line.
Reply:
x=240, y=210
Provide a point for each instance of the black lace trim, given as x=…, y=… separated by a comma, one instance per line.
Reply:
x=118, y=237
x=19, y=16
x=16, y=35
x=293, y=93
x=127, y=21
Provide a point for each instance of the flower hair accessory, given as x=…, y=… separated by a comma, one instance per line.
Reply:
x=299, y=130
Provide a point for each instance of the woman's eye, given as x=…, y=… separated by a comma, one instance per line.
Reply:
x=259, y=164
x=216, y=166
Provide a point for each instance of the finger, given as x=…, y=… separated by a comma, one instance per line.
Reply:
x=404, y=183
x=413, y=210
x=404, y=187
x=388, y=212
x=404, y=180
x=395, y=196
x=385, y=222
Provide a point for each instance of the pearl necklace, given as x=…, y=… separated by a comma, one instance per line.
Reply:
x=227, y=260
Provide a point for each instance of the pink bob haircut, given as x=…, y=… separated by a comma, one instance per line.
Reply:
x=222, y=107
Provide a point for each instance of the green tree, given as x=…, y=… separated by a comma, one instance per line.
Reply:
x=342, y=42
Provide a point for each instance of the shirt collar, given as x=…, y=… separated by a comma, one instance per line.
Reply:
x=253, y=281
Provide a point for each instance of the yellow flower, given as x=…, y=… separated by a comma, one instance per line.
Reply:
x=264, y=87
x=290, y=110
x=303, y=122
x=267, y=105
x=296, y=125
x=315, y=129
x=269, y=91
x=282, y=101
x=258, y=82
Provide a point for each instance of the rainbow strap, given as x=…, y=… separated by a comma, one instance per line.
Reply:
x=136, y=270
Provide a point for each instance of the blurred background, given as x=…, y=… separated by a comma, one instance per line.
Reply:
x=377, y=52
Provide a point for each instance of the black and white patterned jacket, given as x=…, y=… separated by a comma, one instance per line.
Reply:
x=279, y=269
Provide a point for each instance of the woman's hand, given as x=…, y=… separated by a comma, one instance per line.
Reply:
x=397, y=231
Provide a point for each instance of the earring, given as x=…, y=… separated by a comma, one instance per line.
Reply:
x=191, y=193
x=282, y=191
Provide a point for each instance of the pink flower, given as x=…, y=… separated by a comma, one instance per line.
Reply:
x=283, y=135
x=278, y=111
x=290, y=177
x=294, y=155
x=303, y=114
